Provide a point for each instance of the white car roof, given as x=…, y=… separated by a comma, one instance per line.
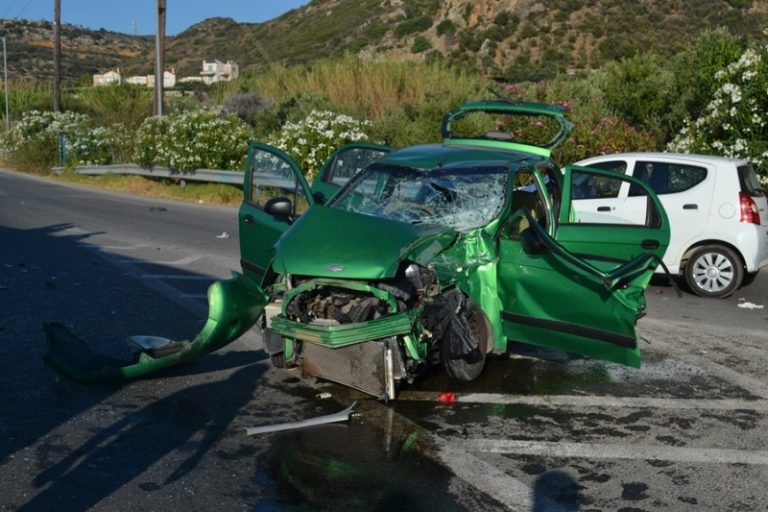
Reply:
x=709, y=159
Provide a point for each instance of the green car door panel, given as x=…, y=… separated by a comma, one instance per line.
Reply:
x=269, y=173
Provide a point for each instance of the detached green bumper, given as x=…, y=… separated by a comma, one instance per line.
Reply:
x=234, y=305
x=342, y=335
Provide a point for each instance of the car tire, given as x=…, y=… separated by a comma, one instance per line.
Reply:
x=749, y=278
x=460, y=369
x=714, y=271
x=278, y=360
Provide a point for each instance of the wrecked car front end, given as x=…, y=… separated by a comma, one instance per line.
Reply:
x=433, y=254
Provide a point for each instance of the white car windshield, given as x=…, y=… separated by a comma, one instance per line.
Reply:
x=462, y=198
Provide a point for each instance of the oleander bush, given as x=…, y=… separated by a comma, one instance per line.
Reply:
x=312, y=140
x=734, y=122
x=202, y=139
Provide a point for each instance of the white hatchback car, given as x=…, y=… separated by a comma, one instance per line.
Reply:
x=717, y=210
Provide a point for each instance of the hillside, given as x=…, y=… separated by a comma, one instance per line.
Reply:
x=514, y=39
x=511, y=38
x=84, y=52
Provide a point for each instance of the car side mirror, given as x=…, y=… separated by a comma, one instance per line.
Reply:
x=531, y=241
x=280, y=208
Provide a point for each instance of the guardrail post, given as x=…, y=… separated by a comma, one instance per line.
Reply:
x=62, y=150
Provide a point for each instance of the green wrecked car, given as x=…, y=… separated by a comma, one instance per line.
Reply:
x=394, y=260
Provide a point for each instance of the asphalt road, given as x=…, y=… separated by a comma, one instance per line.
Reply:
x=538, y=431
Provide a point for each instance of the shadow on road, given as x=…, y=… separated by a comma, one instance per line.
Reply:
x=128, y=447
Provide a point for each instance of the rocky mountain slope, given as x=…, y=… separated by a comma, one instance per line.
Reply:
x=516, y=39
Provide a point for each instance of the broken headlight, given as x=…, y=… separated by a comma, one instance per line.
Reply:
x=420, y=277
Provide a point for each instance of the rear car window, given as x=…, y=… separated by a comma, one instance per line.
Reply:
x=619, y=166
x=667, y=177
x=749, y=182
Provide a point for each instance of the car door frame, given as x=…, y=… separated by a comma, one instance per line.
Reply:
x=323, y=189
x=267, y=228
x=599, y=302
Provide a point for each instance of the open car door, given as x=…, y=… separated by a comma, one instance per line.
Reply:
x=576, y=286
x=342, y=166
x=271, y=173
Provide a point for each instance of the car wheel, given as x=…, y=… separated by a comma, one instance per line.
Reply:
x=749, y=278
x=278, y=360
x=459, y=368
x=714, y=271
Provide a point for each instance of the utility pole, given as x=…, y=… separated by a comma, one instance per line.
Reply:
x=57, y=55
x=5, y=87
x=159, y=58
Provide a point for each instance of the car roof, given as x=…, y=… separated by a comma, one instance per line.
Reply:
x=710, y=159
x=431, y=156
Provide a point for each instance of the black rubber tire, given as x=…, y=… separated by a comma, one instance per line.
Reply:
x=749, y=278
x=461, y=369
x=714, y=271
x=278, y=360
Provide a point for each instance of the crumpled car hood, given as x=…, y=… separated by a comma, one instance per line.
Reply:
x=326, y=242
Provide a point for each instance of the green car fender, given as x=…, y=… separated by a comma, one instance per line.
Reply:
x=234, y=306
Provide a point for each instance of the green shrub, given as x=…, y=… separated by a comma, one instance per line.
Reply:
x=733, y=123
x=102, y=145
x=118, y=103
x=413, y=25
x=203, y=139
x=641, y=89
x=421, y=44
x=33, y=141
x=695, y=71
x=312, y=140
x=445, y=27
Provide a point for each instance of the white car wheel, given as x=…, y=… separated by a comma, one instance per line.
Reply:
x=714, y=271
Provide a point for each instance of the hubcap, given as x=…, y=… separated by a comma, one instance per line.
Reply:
x=713, y=272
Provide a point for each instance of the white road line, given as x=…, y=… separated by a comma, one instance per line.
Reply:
x=618, y=451
x=177, y=263
x=751, y=384
x=202, y=296
x=116, y=247
x=579, y=401
x=489, y=479
x=176, y=276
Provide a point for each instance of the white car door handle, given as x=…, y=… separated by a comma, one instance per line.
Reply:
x=690, y=207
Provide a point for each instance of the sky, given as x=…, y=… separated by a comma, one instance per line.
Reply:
x=120, y=15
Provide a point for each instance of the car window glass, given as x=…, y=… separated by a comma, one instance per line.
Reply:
x=638, y=212
x=463, y=198
x=271, y=176
x=749, y=182
x=349, y=162
x=594, y=186
x=667, y=177
x=618, y=166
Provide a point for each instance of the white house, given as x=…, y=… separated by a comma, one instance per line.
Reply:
x=137, y=80
x=108, y=78
x=169, y=79
x=218, y=71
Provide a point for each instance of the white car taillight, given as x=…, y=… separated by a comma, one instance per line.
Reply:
x=749, y=212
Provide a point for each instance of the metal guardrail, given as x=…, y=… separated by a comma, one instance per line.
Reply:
x=204, y=175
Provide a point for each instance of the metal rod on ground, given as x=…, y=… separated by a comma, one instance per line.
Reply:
x=5, y=86
x=57, y=55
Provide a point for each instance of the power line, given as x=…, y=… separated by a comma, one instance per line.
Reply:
x=18, y=15
x=9, y=8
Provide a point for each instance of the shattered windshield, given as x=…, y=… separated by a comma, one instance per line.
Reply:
x=462, y=198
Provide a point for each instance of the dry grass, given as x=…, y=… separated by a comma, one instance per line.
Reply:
x=208, y=193
x=368, y=86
